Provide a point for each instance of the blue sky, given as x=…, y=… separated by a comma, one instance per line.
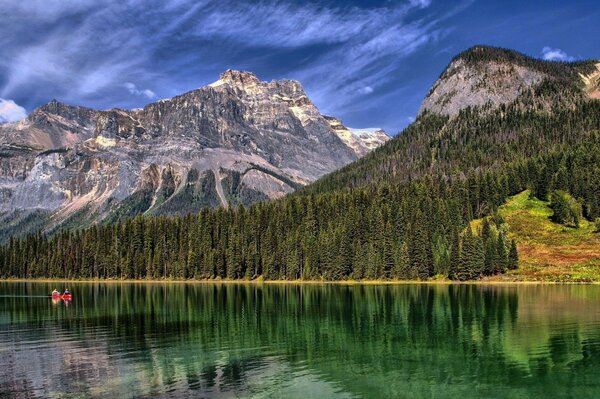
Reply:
x=368, y=62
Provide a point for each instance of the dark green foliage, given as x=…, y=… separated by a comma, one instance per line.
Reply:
x=199, y=192
x=513, y=256
x=135, y=204
x=410, y=230
x=282, y=178
x=566, y=210
x=380, y=231
x=77, y=220
x=436, y=145
x=541, y=185
x=471, y=261
x=419, y=249
x=238, y=193
x=19, y=223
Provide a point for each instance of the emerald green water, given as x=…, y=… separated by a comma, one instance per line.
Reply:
x=294, y=341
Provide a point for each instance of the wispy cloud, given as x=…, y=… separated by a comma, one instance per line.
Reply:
x=91, y=52
x=10, y=111
x=555, y=54
x=278, y=24
x=132, y=88
x=366, y=63
x=76, y=59
x=99, y=46
x=421, y=3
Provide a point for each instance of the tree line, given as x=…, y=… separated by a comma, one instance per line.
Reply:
x=404, y=211
x=414, y=230
x=541, y=121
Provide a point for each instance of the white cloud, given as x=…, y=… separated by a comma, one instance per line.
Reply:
x=84, y=51
x=420, y=3
x=132, y=88
x=87, y=52
x=369, y=60
x=43, y=10
x=555, y=54
x=10, y=111
x=282, y=25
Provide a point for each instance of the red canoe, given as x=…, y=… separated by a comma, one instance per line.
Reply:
x=66, y=297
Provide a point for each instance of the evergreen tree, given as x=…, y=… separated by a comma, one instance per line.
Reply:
x=513, y=257
x=419, y=249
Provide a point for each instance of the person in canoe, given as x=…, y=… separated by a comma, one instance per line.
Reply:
x=55, y=292
x=67, y=292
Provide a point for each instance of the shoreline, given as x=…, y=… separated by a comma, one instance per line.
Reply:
x=294, y=282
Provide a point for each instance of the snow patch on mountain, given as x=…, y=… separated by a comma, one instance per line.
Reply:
x=360, y=140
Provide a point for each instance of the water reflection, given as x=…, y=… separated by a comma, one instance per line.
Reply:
x=131, y=340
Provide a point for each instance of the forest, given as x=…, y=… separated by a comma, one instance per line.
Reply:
x=402, y=212
x=414, y=230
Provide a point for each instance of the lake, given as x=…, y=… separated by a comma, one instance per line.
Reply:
x=300, y=341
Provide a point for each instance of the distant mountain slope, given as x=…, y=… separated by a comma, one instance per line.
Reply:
x=238, y=140
x=488, y=107
x=362, y=141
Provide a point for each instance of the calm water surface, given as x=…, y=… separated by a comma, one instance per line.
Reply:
x=221, y=341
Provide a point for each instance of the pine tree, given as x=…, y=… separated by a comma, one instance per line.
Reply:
x=490, y=256
x=419, y=249
x=472, y=257
x=513, y=257
x=500, y=260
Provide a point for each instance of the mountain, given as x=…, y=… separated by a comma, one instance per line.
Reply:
x=489, y=106
x=427, y=204
x=362, y=141
x=235, y=141
x=487, y=77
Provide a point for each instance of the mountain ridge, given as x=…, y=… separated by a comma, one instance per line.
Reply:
x=441, y=138
x=484, y=75
x=254, y=140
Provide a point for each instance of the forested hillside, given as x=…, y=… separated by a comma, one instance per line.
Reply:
x=407, y=231
x=402, y=212
x=553, y=115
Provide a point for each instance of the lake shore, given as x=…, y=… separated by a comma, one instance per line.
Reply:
x=303, y=282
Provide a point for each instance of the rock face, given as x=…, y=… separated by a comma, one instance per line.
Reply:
x=474, y=84
x=360, y=140
x=236, y=141
x=487, y=77
x=592, y=82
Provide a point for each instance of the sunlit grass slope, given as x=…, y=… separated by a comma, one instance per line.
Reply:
x=549, y=251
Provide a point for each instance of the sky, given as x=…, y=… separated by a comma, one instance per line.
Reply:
x=370, y=63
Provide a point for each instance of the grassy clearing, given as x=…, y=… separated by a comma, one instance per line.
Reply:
x=550, y=251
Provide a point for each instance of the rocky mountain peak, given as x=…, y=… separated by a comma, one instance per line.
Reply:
x=241, y=78
x=81, y=115
x=52, y=107
x=480, y=76
x=360, y=140
x=238, y=141
x=489, y=76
